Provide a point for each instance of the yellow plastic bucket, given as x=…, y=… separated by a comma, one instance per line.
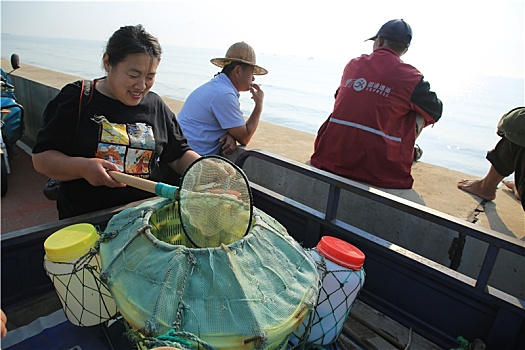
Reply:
x=75, y=274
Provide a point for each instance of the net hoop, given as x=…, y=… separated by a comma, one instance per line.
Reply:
x=187, y=186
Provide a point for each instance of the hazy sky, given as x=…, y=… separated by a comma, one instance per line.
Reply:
x=462, y=36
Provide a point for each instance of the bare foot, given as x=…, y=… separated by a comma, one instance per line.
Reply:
x=476, y=187
x=512, y=186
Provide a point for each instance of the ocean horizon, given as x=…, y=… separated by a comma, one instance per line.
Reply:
x=299, y=92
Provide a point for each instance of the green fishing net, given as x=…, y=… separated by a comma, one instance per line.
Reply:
x=250, y=294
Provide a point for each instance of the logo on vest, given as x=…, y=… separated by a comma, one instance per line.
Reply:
x=361, y=84
x=357, y=84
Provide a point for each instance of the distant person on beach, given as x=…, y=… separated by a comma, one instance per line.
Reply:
x=507, y=157
x=381, y=106
x=124, y=123
x=211, y=116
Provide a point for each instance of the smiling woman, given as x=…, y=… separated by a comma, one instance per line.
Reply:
x=123, y=123
x=129, y=81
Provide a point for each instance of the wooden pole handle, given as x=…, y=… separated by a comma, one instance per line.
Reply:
x=133, y=181
x=158, y=188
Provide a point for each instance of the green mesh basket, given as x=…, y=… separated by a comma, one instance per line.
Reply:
x=250, y=294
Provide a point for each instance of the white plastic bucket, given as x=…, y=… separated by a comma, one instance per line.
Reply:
x=85, y=299
x=340, y=267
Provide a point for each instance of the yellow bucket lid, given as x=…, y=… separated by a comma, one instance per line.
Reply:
x=71, y=242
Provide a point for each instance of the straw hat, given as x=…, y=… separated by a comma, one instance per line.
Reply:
x=240, y=52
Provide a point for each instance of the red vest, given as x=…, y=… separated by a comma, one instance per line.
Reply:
x=370, y=135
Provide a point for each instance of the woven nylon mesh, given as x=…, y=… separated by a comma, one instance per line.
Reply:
x=333, y=305
x=340, y=301
x=254, y=291
x=85, y=299
x=215, y=202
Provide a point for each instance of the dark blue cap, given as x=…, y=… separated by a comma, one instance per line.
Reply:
x=395, y=30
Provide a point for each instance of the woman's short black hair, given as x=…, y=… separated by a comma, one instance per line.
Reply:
x=131, y=40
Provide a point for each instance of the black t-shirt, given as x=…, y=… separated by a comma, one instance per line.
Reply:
x=140, y=139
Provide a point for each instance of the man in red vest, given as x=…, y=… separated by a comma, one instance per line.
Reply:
x=381, y=106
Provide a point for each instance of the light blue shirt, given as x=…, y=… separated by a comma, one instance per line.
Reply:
x=208, y=113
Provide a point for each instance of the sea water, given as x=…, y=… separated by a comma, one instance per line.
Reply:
x=299, y=92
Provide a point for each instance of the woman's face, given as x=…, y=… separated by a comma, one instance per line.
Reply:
x=130, y=80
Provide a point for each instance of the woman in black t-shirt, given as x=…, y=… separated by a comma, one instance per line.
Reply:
x=125, y=127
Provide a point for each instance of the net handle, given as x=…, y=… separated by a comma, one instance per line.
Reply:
x=159, y=188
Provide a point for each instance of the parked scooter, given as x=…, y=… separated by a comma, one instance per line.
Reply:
x=12, y=123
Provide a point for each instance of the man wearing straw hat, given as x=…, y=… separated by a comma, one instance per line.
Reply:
x=211, y=117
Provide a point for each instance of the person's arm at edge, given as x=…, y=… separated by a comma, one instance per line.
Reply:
x=3, y=330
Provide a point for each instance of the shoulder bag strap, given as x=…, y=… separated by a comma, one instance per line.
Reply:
x=86, y=93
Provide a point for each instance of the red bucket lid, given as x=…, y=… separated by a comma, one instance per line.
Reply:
x=341, y=252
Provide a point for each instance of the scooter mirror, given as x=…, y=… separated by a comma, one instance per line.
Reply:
x=15, y=61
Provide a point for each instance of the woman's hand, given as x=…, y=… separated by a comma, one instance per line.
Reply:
x=57, y=165
x=95, y=172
